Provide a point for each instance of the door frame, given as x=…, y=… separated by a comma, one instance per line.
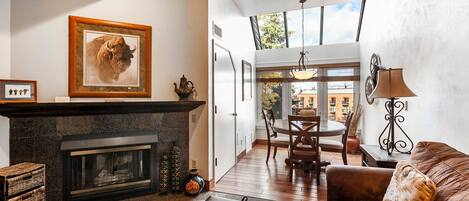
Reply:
x=213, y=105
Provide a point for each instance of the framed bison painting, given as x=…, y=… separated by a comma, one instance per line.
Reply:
x=109, y=59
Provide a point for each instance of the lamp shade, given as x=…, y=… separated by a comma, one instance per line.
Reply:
x=391, y=85
x=303, y=75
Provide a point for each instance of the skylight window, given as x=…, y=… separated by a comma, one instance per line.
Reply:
x=341, y=22
x=312, y=27
x=272, y=30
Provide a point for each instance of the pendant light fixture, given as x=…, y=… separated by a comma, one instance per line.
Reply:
x=301, y=72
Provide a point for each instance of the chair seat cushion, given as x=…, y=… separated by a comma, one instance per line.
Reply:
x=330, y=144
x=280, y=140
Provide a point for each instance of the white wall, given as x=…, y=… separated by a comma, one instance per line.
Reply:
x=429, y=39
x=336, y=53
x=5, y=64
x=180, y=28
x=237, y=37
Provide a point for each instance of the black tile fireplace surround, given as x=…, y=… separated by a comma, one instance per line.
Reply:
x=39, y=138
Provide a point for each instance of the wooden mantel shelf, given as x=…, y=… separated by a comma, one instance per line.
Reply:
x=13, y=110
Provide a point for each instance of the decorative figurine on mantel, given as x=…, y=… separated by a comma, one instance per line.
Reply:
x=186, y=90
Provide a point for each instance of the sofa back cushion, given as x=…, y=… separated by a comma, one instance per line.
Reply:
x=445, y=166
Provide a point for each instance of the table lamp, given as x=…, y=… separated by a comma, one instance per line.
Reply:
x=391, y=86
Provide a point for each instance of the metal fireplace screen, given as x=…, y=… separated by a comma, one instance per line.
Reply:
x=111, y=169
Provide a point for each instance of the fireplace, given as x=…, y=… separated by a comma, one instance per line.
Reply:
x=120, y=165
x=47, y=133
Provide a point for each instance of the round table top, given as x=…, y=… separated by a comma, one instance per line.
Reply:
x=326, y=129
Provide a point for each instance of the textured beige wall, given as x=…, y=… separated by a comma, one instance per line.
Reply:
x=180, y=33
x=429, y=39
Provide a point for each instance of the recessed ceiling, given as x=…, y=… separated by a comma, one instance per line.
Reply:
x=258, y=7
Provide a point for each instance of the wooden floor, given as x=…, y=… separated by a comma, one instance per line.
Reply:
x=252, y=177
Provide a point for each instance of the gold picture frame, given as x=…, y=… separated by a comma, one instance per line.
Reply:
x=109, y=59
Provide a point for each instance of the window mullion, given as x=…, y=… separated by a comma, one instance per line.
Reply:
x=256, y=33
x=286, y=29
x=322, y=95
x=321, y=24
x=360, y=20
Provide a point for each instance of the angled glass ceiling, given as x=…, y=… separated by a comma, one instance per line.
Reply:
x=312, y=27
x=340, y=24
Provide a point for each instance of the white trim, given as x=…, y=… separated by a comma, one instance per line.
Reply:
x=316, y=61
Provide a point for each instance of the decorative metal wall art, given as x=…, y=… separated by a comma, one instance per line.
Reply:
x=371, y=80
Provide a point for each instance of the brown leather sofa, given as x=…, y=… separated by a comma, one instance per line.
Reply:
x=444, y=165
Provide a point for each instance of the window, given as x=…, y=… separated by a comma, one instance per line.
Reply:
x=330, y=94
x=312, y=27
x=271, y=94
x=342, y=91
x=283, y=30
x=272, y=30
x=341, y=22
x=306, y=93
x=333, y=101
x=345, y=93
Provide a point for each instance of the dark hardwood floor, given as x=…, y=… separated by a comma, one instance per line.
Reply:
x=252, y=177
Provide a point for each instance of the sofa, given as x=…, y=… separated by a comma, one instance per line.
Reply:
x=447, y=167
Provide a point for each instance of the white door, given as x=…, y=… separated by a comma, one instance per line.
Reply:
x=224, y=111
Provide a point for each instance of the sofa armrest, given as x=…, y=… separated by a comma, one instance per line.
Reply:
x=357, y=183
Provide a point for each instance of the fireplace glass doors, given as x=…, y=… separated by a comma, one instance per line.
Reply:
x=98, y=171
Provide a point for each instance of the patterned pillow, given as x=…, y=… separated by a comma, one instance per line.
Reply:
x=409, y=184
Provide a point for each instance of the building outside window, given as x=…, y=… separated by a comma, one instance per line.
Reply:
x=329, y=98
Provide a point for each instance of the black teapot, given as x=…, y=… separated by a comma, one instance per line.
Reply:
x=186, y=89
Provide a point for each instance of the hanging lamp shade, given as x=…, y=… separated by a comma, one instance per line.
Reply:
x=391, y=85
x=303, y=75
x=301, y=72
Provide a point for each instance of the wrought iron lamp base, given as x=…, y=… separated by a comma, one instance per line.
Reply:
x=389, y=143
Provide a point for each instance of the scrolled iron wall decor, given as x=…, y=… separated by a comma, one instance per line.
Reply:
x=371, y=80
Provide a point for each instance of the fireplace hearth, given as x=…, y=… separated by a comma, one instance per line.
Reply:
x=118, y=166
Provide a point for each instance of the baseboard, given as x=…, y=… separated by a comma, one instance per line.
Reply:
x=259, y=142
x=241, y=155
x=209, y=185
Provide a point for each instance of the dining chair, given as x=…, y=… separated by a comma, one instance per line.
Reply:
x=303, y=142
x=339, y=146
x=273, y=140
x=310, y=112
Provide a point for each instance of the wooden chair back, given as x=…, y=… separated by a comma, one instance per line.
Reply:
x=348, y=121
x=302, y=131
x=269, y=121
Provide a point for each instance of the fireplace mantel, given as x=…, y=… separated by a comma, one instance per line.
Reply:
x=14, y=110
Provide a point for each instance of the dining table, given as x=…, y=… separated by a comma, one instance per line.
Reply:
x=327, y=128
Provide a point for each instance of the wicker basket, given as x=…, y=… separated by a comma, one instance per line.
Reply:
x=24, y=181
x=38, y=194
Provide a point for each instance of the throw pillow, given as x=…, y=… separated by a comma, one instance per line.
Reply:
x=409, y=184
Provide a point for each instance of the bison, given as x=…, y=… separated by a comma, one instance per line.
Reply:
x=110, y=56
